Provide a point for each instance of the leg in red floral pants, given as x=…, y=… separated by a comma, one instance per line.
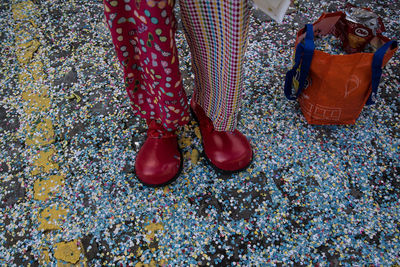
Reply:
x=143, y=35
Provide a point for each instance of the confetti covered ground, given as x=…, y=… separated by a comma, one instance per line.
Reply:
x=326, y=195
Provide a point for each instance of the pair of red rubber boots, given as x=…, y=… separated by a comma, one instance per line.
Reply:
x=159, y=160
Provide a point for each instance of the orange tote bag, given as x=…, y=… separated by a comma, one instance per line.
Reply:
x=333, y=89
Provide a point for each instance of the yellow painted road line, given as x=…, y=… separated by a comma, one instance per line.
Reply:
x=40, y=135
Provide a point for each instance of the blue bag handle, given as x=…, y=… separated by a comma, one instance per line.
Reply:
x=377, y=69
x=303, y=56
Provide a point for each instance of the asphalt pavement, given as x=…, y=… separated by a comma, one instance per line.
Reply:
x=314, y=195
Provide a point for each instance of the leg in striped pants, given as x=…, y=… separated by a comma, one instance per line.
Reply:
x=217, y=35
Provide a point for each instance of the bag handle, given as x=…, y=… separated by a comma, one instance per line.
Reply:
x=303, y=57
x=377, y=69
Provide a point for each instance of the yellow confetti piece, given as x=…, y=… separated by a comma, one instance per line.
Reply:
x=74, y=95
x=43, y=162
x=166, y=189
x=194, y=157
x=139, y=252
x=41, y=134
x=78, y=264
x=187, y=155
x=197, y=132
x=81, y=263
x=45, y=189
x=26, y=51
x=67, y=251
x=152, y=228
x=23, y=10
x=163, y=262
x=184, y=142
x=44, y=258
x=49, y=218
x=152, y=263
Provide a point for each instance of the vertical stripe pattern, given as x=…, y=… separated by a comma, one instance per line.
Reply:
x=217, y=35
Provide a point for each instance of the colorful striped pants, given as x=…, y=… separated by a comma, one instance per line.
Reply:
x=143, y=34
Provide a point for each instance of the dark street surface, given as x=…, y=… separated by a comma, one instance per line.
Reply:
x=314, y=195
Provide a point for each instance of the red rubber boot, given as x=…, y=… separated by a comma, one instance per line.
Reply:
x=227, y=151
x=159, y=160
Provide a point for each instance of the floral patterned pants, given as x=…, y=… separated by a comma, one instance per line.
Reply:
x=143, y=35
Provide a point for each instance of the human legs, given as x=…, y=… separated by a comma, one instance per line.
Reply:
x=217, y=35
x=143, y=35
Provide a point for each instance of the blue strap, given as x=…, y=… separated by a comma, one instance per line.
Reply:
x=292, y=73
x=377, y=69
x=303, y=58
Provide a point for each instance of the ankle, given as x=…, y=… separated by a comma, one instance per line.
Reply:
x=157, y=130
